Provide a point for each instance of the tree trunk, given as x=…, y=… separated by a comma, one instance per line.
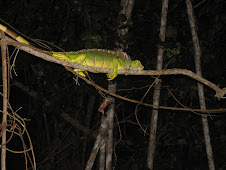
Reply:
x=5, y=104
x=202, y=103
x=156, y=95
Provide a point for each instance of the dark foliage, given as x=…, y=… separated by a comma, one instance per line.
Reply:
x=75, y=25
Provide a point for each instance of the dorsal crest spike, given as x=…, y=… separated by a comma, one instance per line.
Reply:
x=119, y=54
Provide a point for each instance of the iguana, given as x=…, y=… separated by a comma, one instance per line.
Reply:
x=98, y=58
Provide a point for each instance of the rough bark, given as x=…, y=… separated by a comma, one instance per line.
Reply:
x=110, y=119
x=39, y=53
x=100, y=140
x=102, y=156
x=157, y=89
x=5, y=100
x=202, y=103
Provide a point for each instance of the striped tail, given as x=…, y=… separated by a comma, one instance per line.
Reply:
x=13, y=35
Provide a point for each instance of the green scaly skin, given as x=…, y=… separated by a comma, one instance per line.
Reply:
x=100, y=59
x=97, y=58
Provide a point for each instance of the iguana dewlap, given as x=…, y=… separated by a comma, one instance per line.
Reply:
x=100, y=58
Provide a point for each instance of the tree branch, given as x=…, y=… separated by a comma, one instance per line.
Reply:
x=45, y=55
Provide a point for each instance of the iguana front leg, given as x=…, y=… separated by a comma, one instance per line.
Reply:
x=115, y=65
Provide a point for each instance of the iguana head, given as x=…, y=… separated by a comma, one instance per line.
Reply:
x=136, y=64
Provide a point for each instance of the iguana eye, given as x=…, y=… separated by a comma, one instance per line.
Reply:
x=138, y=65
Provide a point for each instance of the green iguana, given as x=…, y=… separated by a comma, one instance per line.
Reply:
x=98, y=58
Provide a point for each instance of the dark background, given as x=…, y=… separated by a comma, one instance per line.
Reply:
x=74, y=25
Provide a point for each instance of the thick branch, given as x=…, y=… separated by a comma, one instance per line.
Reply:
x=202, y=103
x=4, y=104
x=44, y=55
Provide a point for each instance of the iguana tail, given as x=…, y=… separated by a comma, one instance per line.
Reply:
x=13, y=35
